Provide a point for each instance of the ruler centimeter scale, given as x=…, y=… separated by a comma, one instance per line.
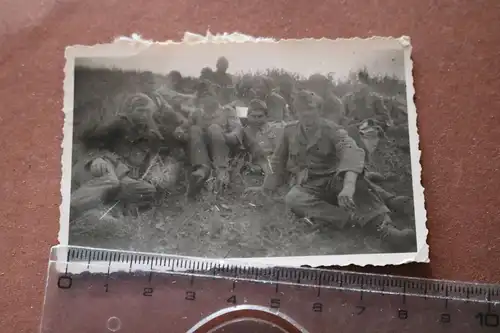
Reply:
x=96, y=290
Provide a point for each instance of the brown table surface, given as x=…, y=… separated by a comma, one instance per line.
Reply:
x=457, y=79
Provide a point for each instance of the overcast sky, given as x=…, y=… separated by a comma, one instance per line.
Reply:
x=380, y=57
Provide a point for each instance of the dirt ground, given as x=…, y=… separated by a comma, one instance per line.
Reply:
x=232, y=225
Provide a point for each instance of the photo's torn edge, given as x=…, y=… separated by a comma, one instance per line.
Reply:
x=134, y=45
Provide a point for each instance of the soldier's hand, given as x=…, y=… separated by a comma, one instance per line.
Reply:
x=253, y=189
x=99, y=167
x=345, y=198
x=179, y=133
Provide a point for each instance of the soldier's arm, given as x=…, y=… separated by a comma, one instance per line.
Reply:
x=182, y=121
x=253, y=147
x=235, y=127
x=112, y=128
x=195, y=117
x=277, y=164
x=351, y=156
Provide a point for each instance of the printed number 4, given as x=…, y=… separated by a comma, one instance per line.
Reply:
x=403, y=314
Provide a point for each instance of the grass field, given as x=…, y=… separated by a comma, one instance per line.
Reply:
x=232, y=225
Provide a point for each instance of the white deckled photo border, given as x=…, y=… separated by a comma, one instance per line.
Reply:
x=126, y=47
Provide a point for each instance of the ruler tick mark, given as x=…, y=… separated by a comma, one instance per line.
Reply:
x=446, y=299
x=404, y=292
x=150, y=277
x=488, y=298
x=361, y=287
x=319, y=285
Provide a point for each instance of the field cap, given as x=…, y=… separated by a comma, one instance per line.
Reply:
x=257, y=104
x=307, y=99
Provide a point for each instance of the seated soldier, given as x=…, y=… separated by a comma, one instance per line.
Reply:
x=220, y=75
x=330, y=186
x=367, y=135
x=206, y=73
x=213, y=132
x=119, y=157
x=333, y=108
x=174, y=81
x=362, y=104
x=260, y=87
x=259, y=129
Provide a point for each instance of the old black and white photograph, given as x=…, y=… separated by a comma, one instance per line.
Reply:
x=296, y=152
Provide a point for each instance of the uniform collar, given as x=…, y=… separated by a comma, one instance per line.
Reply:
x=310, y=139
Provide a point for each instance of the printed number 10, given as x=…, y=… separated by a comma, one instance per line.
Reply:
x=488, y=319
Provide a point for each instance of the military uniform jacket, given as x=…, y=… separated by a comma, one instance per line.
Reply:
x=224, y=117
x=265, y=137
x=326, y=152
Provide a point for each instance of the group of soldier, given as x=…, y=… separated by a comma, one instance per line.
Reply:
x=300, y=138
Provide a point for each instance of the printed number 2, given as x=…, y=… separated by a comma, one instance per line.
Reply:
x=147, y=292
x=190, y=295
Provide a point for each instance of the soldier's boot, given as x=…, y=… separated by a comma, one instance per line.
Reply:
x=400, y=204
x=197, y=179
x=95, y=222
x=374, y=176
x=222, y=179
x=397, y=240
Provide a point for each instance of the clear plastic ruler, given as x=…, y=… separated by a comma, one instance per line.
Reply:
x=94, y=290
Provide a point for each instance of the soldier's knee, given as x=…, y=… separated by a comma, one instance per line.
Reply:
x=145, y=187
x=110, y=182
x=214, y=129
x=293, y=198
x=195, y=130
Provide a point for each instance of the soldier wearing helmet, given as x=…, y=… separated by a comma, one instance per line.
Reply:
x=213, y=130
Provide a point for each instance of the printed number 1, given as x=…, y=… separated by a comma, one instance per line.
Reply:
x=403, y=314
x=445, y=318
